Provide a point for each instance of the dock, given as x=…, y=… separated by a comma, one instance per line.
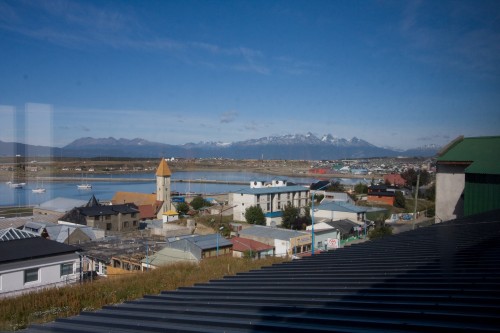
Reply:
x=152, y=180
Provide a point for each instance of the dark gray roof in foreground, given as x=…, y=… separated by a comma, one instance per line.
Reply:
x=32, y=248
x=442, y=278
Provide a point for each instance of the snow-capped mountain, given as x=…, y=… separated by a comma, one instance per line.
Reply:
x=291, y=146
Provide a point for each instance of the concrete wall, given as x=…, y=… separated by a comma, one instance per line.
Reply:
x=241, y=203
x=450, y=184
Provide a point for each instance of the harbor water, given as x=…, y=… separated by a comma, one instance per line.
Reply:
x=183, y=182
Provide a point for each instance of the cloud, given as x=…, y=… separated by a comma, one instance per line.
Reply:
x=80, y=25
x=463, y=36
x=228, y=117
x=252, y=126
x=434, y=137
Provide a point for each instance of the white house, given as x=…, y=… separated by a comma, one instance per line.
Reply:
x=29, y=263
x=285, y=241
x=272, y=198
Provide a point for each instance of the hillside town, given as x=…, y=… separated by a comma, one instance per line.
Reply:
x=66, y=241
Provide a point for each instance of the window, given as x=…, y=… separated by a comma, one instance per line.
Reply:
x=31, y=275
x=108, y=226
x=125, y=224
x=134, y=223
x=66, y=269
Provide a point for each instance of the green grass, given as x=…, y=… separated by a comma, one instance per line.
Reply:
x=45, y=306
x=15, y=211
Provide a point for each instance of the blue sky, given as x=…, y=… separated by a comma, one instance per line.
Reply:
x=395, y=73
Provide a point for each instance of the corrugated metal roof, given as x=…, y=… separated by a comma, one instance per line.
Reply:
x=442, y=278
x=483, y=152
x=338, y=206
x=167, y=256
x=244, y=244
x=274, y=233
x=206, y=242
x=62, y=205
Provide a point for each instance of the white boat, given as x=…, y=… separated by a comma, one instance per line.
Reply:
x=38, y=189
x=17, y=185
x=84, y=186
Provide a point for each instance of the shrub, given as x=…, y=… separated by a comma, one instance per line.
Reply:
x=380, y=232
x=400, y=200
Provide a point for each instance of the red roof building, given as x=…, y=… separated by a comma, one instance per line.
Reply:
x=394, y=179
x=245, y=246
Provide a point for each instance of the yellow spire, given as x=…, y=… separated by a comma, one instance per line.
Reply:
x=163, y=170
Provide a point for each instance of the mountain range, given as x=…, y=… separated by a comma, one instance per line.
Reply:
x=293, y=146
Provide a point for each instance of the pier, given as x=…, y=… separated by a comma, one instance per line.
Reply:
x=121, y=179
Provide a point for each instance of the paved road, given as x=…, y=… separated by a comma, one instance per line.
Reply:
x=403, y=226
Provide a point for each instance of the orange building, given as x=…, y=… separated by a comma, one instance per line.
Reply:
x=379, y=194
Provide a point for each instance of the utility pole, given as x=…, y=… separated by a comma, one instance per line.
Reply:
x=416, y=201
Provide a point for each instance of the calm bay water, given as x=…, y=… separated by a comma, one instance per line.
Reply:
x=105, y=190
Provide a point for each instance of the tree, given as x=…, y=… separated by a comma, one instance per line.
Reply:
x=430, y=193
x=360, y=188
x=182, y=208
x=400, y=200
x=410, y=176
x=318, y=198
x=290, y=215
x=198, y=202
x=336, y=187
x=255, y=215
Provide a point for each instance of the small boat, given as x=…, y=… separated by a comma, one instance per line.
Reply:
x=17, y=185
x=84, y=186
x=38, y=189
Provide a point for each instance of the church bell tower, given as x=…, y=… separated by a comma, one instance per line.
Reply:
x=163, y=174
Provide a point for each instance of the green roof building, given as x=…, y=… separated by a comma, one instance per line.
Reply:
x=468, y=177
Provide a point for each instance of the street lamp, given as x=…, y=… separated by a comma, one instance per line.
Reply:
x=312, y=215
x=218, y=240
